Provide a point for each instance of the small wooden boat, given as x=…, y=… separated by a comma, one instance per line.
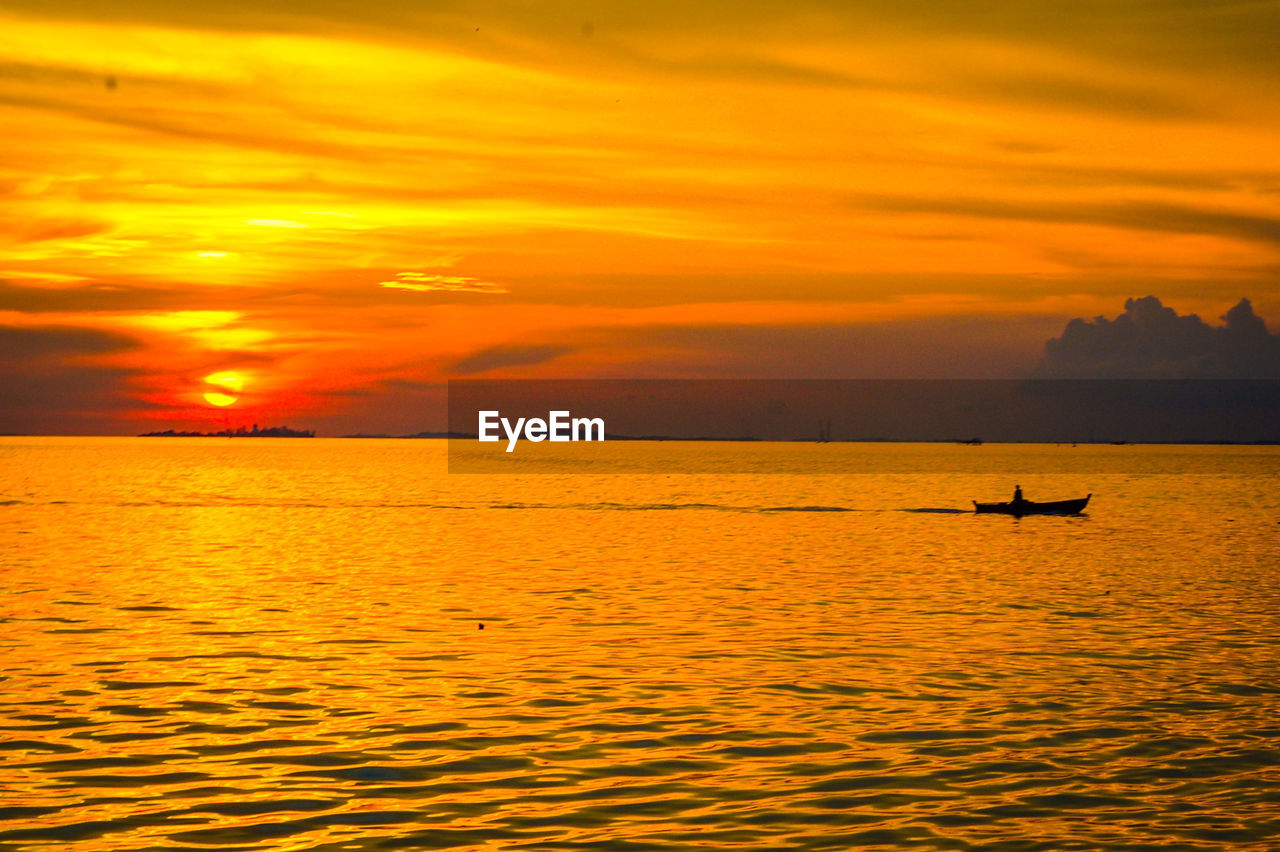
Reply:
x=1028, y=507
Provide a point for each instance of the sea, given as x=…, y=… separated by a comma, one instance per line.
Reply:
x=337, y=644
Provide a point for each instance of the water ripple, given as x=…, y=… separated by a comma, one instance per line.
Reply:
x=666, y=663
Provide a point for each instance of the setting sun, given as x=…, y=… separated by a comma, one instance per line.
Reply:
x=219, y=399
x=228, y=387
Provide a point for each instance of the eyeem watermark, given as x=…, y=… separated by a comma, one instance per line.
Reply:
x=558, y=426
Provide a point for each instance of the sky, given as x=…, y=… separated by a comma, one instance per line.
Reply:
x=316, y=213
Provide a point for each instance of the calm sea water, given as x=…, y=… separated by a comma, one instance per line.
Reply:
x=276, y=644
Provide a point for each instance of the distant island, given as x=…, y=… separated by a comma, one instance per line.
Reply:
x=241, y=432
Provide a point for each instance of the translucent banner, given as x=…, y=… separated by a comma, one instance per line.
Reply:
x=753, y=426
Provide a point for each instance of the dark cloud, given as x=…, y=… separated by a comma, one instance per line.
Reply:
x=961, y=347
x=1085, y=96
x=111, y=297
x=1152, y=341
x=193, y=125
x=1209, y=37
x=1232, y=37
x=506, y=356
x=1216, y=179
x=41, y=230
x=32, y=345
x=739, y=66
x=45, y=388
x=90, y=297
x=1138, y=215
x=1024, y=88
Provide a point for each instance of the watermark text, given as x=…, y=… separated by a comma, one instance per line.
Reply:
x=558, y=426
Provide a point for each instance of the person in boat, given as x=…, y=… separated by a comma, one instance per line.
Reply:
x=1017, y=495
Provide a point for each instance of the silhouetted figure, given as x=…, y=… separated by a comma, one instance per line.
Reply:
x=1017, y=495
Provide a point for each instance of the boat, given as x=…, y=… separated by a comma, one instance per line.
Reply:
x=1018, y=508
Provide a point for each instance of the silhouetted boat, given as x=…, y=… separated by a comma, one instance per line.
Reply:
x=1028, y=507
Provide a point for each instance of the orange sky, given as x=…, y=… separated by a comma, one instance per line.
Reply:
x=342, y=205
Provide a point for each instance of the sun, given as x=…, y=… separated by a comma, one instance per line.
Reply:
x=228, y=386
x=220, y=399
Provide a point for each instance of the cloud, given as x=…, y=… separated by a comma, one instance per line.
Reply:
x=44, y=230
x=943, y=347
x=421, y=282
x=1074, y=93
x=32, y=345
x=1137, y=215
x=507, y=356
x=45, y=386
x=1152, y=341
x=112, y=297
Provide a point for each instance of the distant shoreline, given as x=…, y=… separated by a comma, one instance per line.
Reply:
x=241, y=432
